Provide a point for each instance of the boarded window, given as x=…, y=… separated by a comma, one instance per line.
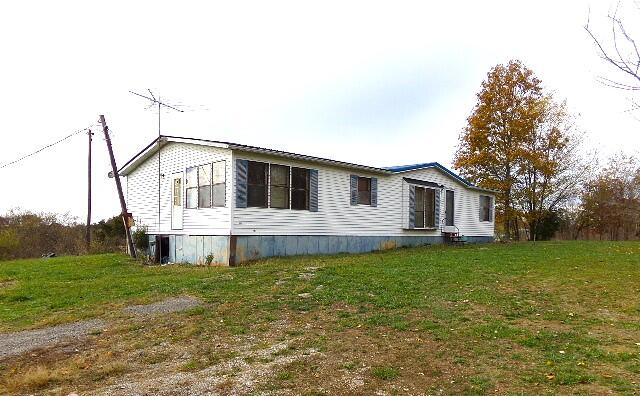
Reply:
x=299, y=188
x=364, y=191
x=279, y=180
x=218, y=188
x=425, y=207
x=191, y=185
x=257, y=184
x=485, y=208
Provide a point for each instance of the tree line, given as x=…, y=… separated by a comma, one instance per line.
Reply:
x=25, y=234
x=523, y=143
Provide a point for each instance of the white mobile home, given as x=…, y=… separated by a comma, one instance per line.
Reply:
x=205, y=201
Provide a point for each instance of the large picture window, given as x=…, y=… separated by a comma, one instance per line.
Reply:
x=288, y=187
x=425, y=211
x=206, y=185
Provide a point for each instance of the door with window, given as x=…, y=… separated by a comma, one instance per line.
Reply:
x=449, y=208
x=176, y=201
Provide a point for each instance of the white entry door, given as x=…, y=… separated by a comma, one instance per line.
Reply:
x=176, y=201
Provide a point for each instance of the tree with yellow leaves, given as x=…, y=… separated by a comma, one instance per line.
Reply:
x=519, y=142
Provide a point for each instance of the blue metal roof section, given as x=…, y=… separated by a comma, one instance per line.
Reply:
x=406, y=168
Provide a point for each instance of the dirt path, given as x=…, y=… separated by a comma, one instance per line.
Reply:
x=12, y=344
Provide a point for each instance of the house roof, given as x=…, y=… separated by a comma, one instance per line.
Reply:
x=152, y=147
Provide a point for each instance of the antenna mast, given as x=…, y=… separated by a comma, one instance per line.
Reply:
x=160, y=104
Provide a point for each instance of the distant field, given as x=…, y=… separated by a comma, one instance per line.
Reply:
x=551, y=317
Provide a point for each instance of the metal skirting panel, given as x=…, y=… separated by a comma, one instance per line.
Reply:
x=195, y=249
x=250, y=247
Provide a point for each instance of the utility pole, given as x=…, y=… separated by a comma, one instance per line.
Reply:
x=116, y=176
x=88, y=236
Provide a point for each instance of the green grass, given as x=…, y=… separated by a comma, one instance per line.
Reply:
x=532, y=318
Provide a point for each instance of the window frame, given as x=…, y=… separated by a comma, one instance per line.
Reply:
x=368, y=179
x=210, y=185
x=290, y=190
x=433, y=192
x=187, y=188
x=224, y=182
x=306, y=189
x=267, y=166
x=286, y=186
x=489, y=200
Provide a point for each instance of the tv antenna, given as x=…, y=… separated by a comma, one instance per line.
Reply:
x=160, y=105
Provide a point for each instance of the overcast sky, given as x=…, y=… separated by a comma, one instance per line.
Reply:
x=377, y=83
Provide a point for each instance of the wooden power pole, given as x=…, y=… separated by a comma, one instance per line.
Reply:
x=88, y=235
x=116, y=176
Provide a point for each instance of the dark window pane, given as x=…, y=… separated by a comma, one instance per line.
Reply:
x=300, y=178
x=256, y=184
x=257, y=173
x=419, y=219
x=279, y=175
x=419, y=199
x=364, y=191
x=364, y=197
x=219, y=194
x=485, y=207
x=192, y=198
x=204, y=197
x=279, y=197
x=299, y=188
x=430, y=207
x=257, y=196
x=300, y=199
x=279, y=178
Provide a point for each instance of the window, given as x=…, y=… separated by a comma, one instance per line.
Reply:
x=299, y=188
x=219, y=186
x=364, y=190
x=192, y=187
x=485, y=208
x=425, y=210
x=177, y=192
x=204, y=186
x=279, y=186
x=257, y=184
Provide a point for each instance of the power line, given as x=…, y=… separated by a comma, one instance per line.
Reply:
x=46, y=147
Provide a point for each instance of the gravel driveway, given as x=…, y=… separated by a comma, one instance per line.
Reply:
x=12, y=344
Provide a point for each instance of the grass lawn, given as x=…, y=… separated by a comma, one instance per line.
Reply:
x=549, y=317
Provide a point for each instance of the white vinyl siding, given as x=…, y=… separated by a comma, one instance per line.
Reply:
x=335, y=215
x=142, y=191
x=466, y=202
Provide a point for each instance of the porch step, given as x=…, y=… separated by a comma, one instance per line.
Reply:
x=454, y=238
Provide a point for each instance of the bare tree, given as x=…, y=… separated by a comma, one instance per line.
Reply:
x=620, y=50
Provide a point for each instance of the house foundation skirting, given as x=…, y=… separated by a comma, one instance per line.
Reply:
x=236, y=249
